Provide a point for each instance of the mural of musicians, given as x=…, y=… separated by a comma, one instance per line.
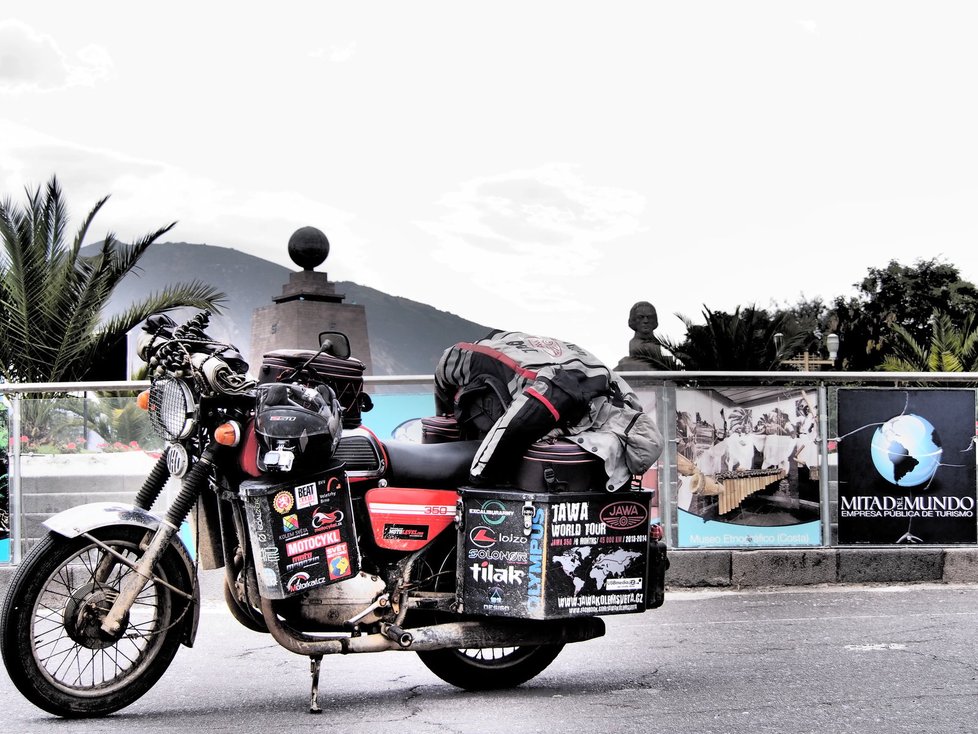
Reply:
x=749, y=470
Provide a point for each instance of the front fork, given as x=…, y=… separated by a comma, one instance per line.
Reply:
x=134, y=583
x=152, y=487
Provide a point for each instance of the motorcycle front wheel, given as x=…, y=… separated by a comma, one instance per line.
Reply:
x=51, y=639
x=478, y=669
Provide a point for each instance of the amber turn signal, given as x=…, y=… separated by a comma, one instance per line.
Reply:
x=228, y=434
x=142, y=400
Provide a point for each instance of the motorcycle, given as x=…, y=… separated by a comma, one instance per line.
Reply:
x=333, y=541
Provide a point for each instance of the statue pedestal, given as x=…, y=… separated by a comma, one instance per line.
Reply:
x=309, y=304
x=633, y=364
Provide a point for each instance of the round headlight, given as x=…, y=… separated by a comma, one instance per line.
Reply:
x=172, y=409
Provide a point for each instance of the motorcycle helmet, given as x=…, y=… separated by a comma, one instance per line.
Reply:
x=297, y=427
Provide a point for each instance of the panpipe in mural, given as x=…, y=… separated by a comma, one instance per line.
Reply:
x=736, y=486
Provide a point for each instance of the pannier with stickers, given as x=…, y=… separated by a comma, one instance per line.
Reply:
x=302, y=530
x=548, y=556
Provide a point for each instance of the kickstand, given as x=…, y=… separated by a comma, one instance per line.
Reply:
x=314, y=662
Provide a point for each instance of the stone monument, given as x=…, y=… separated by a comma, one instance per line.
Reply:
x=308, y=305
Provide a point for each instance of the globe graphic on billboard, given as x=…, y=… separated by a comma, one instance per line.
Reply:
x=906, y=450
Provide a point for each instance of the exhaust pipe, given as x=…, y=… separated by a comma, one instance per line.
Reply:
x=398, y=635
x=487, y=633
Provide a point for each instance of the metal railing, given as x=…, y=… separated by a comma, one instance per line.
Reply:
x=820, y=381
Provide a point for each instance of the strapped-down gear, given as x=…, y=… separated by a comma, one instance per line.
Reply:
x=511, y=388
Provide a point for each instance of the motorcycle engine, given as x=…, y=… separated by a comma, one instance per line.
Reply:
x=329, y=607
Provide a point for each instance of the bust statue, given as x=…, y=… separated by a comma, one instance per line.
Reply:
x=643, y=347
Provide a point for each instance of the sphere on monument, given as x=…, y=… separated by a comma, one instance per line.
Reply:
x=308, y=247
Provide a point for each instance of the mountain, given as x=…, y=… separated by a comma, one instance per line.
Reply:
x=406, y=337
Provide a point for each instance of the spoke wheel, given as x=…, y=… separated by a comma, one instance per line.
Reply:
x=477, y=669
x=488, y=669
x=51, y=638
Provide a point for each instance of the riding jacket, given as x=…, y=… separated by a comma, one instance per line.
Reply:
x=511, y=389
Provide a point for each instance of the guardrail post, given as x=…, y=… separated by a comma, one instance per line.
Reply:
x=13, y=481
x=668, y=476
x=823, y=460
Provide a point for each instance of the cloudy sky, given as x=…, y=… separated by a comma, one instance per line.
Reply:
x=537, y=166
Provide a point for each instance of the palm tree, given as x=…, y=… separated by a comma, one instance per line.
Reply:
x=952, y=348
x=741, y=341
x=774, y=423
x=655, y=358
x=121, y=421
x=741, y=420
x=53, y=299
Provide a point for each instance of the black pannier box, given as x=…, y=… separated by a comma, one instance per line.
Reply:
x=440, y=429
x=545, y=556
x=302, y=531
x=559, y=465
x=345, y=376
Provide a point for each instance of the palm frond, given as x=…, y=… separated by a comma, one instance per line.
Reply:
x=743, y=340
x=85, y=225
x=952, y=348
x=196, y=294
x=53, y=299
x=125, y=259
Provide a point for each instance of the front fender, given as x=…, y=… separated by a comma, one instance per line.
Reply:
x=82, y=519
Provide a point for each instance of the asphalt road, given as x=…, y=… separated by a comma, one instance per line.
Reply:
x=867, y=659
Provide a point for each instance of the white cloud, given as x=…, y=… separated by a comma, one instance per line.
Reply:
x=809, y=25
x=96, y=65
x=532, y=237
x=32, y=61
x=342, y=54
x=147, y=194
x=547, y=209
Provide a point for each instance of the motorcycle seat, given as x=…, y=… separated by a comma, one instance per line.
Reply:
x=433, y=465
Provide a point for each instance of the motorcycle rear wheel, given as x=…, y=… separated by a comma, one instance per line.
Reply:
x=50, y=638
x=478, y=669
x=489, y=669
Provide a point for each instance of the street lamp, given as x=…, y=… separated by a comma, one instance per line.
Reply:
x=832, y=344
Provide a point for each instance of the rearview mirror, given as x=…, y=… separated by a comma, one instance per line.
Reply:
x=335, y=343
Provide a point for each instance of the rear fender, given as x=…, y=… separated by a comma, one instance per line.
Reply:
x=82, y=519
x=658, y=564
